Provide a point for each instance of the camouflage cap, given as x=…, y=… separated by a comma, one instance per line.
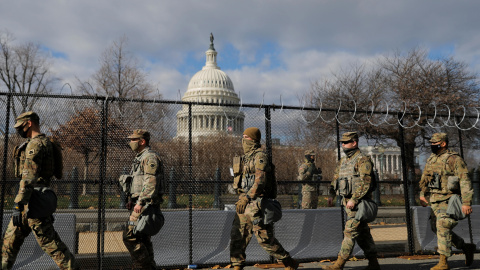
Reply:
x=349, y=136
x=140, y=134
x=309, y=153
x=253, y=133
x=439, y=137
x=26, y=116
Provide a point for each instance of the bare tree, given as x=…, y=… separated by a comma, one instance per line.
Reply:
x=405, y=82
x=120, y=75
x=24, y=69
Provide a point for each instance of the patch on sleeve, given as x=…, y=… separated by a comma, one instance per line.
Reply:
x=368, y=167
x=31, y=152
x=151, y=166
x=260, y=162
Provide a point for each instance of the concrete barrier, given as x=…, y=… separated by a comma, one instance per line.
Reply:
x=304, y=233
x=31, y=256
x=426, y=240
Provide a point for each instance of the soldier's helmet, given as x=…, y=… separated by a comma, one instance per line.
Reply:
x=140, y=134
x=349, y=136
x=30, y=115
x=309, y=153
x=439, y=137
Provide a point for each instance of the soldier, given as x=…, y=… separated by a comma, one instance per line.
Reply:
x=353, y=181
x=146, y=191
x=35, y=165
x=446, y=174
x=254, y=185
x=305, y=173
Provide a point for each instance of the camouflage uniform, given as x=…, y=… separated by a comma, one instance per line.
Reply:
x=36, y=170
x=360, y=167
x=445, y=164
x=255, y=185
x=309, y=191
x=147, y=189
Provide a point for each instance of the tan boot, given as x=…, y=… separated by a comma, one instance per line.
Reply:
x=372, y=264
x=469, y=250
x=290, y=263
x=238, y=267
x=442, y=264
x=338, y=265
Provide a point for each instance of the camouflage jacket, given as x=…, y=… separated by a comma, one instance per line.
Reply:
x=35, y=166
x=305, y=173
x=254, y=176
x=147, y=172
x=363, y=170
x=446, y=165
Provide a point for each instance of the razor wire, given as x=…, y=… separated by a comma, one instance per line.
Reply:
x=433, y=120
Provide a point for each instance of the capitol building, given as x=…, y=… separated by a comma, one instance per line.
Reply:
x=211, y=85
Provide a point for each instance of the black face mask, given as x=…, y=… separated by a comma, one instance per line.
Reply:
x=310, y=159
x=435, y=148
x=349, y=151
x=21, y=132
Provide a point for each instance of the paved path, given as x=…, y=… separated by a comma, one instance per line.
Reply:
x=422, y=262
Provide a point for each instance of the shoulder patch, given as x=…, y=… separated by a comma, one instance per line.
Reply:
x=368, y=167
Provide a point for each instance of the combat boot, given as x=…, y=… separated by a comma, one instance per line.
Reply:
x=290, y=263
x=238, y=267
x=338, y=265
x=442, y=264
x=469, y=250
x=372, y=264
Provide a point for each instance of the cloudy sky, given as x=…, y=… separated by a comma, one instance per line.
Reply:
x=271, y=49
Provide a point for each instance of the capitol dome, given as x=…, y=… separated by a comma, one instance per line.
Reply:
x=211, y=85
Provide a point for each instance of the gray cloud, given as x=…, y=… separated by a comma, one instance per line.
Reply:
x=315, y=37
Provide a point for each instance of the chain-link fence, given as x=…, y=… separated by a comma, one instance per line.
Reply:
x=197, y=147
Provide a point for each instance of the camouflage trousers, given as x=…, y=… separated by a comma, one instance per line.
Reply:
x=241, y=234
x=309, y=200
x=139, y=246
x=46, y=236
x=442, y=225
x=356, y=231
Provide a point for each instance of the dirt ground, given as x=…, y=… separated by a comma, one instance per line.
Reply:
x=113, y=240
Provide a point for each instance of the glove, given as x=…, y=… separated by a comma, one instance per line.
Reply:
x=17, y=214
x=129, y=205
x=242, y=204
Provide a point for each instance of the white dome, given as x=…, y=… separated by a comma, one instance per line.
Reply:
x=210, y=78
x=210, y=85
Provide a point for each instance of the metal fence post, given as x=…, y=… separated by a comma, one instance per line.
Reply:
x=411, y=188
x=172, y=187
x=405, y=186
x=74, y=189
x=376, y=194
x=190, y=178
x=216, y=200
x=4, y=163
x=476, y=187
